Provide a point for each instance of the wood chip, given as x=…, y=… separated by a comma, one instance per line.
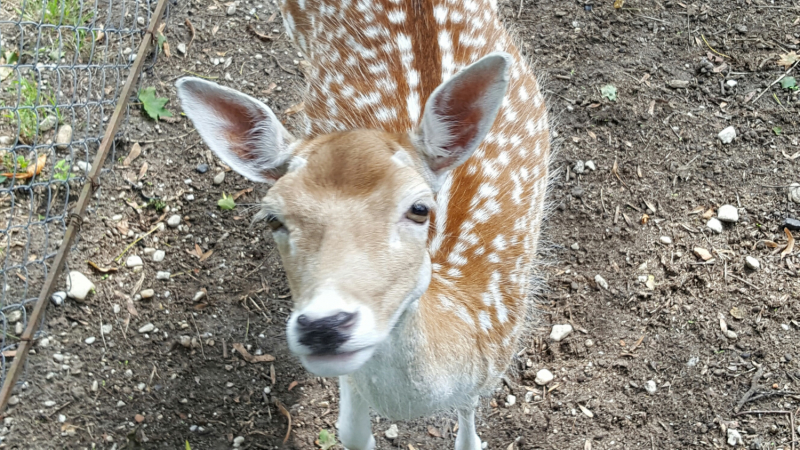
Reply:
x=702, y=253
x=292, y=385
x=142, y=171
x=94, y=266
x=252, y=358
x=789, y=245
x=167, y=53
x=272, y=376
x=192, y=33
x=434, y=432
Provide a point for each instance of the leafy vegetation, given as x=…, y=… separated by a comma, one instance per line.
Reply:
x=27, y=91
x=326, y=439
x=609, y=91
x=61, y=170
x=226, y=202
x=153, y=106
x=157, y=204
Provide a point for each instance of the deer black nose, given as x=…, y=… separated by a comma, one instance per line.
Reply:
x=325, y=335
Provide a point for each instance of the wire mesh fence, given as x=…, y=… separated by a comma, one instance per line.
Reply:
x=63, y=64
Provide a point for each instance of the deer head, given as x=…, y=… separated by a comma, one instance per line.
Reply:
x=349, y=211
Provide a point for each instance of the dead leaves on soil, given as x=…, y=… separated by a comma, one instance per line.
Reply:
x=790, y=244
x=252, y=358
x=787, y=60
x=198, y=252
x=31, y=171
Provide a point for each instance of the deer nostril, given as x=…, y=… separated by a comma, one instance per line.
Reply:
x=303, y=320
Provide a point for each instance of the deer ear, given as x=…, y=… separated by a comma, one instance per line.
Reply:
x=460, y=112
x=242, y=131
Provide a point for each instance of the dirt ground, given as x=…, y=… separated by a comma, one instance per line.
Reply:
x=648, y=365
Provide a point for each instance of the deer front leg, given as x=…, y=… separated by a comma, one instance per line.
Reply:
x=467, y=438
x=355, y=429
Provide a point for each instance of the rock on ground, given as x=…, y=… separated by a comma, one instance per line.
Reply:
x=392, y=432
x=543, y=377
x=752, y=263
x=650, y=387
x=727, y=135
x=78, y=286
x=559, y=332
x=728, y=213
x=601, y=281
x=714, y=225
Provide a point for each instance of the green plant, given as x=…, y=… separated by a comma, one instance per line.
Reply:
x=326, y=439
x=226, y=202
x=157, y=204
x=609, y=91
x=61, y=170
x=153, y=106
x=789, y=83
x=27, y=91
x=56, y=12
x=21, y=163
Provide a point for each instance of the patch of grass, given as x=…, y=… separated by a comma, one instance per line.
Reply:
x=61, y=170
x=56, y=12
x=27, y=94
x=157, y=204
x=18, y=164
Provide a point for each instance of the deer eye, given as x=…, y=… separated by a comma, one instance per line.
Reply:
x=274, y=223
x=418, y=213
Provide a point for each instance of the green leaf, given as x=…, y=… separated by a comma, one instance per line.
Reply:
x=610, y=92
x=326, y=439
x=188, y=447
x=153, y=106
x=226, y=202
x=2, y=178
x=777, y=130
x=161, y=40
x=789, y=83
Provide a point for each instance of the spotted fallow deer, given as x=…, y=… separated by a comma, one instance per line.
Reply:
x=407, y=215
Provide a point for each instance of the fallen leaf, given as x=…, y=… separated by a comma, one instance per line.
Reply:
x=138, y=418
x=749, y=96
x=206, y=255
x=143, y=171
x=790, y=245
x=136, y=150
x=788, y=59
x=167, y=53
x=122, y=227
x=192, y=33
x=285, y=412
x=645, y=219
x=618, y=3
x=737, y=313
x=434, y=432
x=269, y=89
x=101, y=269
x=252, y=358
x=214, y=30
x=702, y=253
x=272, y=17
x=294, y=109
x=31, y=171
x=241, y=193
x=708, y=214
x=292, y=385
x=771, y=244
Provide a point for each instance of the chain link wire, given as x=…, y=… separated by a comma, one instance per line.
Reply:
x=63, y=64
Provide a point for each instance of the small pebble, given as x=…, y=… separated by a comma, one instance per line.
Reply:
x=579, y=167
x=58, y=298
x=219, y=178
x=199, y=295
x=78, y=286
x=90, y=340
x=752, y=263
x=559, y=332
x=182, y=50
x=147, y=328
x=510, y=400
x=528, y=396
x=49, y=403
x=106, y=329
x=174, y=220
x=589, y=343
x=159, y=255
x=794, y=192
x=147, y=293
x=543, y=377
x=731, y=83
x=590, y=165
x=601, y=281
x=392, y=432
x=575, y=246
x=650, y=387
x=162, y=275
x=134, y=261
x=727, y=135
x=58, y=357
x=202, y=168
x=62, y=418
x=13, y=400
x=728, y=213
x=64, y=137
x=666, y=240
x=734, y=438
x=231, y=10
x=714, y=225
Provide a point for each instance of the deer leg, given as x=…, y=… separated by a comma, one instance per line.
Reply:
x=467, y=438
x=355, y=429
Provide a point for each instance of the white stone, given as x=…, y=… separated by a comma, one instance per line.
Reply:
x=147, y=293
x=528, y=396
x=90, y=340
x=219, y=178
x=64, y=137
x=58, y=298
x=62, y=418
x=49, y=403
x=134, y=261
x=666, y=240
x=58, y=357
x=734, y=438
x=78, y=286
x=559, y=332
x=84, y=166
x=579, y=167
x=511, y=400
x=714, y=225
x=146, y=328
x=650, y=387
x=794, y=192
x=543, y=377
x=159, y=255
x=199, y=295
x=162, y=275
x=731, y=83
x=590, y=165
x=392, y=432
x=48, y=123
x=727, y=135
x=14, y=316
x=728, y=213
x=174, y=220
x=231, y=10
x=182, y=48
x=575, y=246
x=601, y=281
x=752, y=263
x=106, y=329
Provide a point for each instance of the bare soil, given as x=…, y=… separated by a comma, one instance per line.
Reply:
x=656, y=153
